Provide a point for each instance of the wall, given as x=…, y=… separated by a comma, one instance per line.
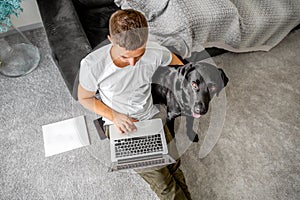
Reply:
x=30, y=17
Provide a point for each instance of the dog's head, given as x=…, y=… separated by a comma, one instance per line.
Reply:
x=199, y=83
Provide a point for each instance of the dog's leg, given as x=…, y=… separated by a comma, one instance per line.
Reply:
x=171, y=125
x=171, y=115
x=193, y=136
x=173, y=111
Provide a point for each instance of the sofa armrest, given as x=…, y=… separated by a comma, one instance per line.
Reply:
x=66, y=38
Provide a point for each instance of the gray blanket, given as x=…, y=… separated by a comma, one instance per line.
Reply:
x=238, y=26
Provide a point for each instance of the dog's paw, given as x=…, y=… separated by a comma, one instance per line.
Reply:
x=193, y=136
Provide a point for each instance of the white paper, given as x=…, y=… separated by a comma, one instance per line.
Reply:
x=65, y=135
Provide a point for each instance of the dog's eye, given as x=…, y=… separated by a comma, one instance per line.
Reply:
x=195, y=85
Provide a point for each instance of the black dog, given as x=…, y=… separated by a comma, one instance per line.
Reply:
x=187, y=90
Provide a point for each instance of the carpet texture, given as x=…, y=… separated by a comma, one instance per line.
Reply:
x=256, y=157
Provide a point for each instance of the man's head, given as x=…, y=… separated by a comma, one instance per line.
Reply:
x=128, y=29
x=128, y=34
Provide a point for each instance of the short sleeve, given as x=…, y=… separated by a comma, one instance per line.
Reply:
x=166, y=56
x=86, y=78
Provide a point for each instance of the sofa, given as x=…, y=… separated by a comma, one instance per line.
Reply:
x=198, y=29
x=75, y=28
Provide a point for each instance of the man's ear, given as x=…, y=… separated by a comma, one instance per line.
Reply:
x=109, y=38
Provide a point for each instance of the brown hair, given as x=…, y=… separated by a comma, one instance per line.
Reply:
x=128, y=29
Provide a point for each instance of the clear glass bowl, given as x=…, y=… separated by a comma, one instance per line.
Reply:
x=17, y=55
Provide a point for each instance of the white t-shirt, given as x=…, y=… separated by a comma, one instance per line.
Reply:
x=126, y=90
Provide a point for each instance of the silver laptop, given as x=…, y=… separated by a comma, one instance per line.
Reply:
x=147, y=147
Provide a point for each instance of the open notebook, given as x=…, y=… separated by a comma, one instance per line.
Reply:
x=65, y=135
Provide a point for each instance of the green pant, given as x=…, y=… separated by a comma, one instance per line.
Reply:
x=167, y=182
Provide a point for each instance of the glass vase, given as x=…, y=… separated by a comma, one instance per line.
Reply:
x=17, y=54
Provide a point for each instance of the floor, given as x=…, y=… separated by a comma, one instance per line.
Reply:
x=257, y=155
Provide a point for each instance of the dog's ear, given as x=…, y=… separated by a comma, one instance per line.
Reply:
x=188, y=69
x=184, y=71
x=224, y=77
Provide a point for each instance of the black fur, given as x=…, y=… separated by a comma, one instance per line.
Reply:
x=186, y=92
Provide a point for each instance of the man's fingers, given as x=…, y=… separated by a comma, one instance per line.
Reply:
x=124, y=128
x=130, y=127
x=124, y=123
x=119, y=129
x=127, y=127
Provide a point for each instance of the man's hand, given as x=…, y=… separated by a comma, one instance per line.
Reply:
x=123, y=123
x=175, y=61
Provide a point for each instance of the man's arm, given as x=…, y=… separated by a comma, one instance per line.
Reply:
x=87, y=99
x=122, y=122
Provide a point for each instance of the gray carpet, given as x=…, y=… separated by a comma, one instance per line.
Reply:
x=257, y=156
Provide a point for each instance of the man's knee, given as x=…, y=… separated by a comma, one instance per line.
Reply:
x=168, y=189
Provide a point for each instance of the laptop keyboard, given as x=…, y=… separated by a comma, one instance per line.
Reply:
x=138, y=145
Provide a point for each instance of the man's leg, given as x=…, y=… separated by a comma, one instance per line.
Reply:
x=163, y=183
x=168, y=182
x=174, y=169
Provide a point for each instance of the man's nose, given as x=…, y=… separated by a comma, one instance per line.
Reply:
x=132, y=61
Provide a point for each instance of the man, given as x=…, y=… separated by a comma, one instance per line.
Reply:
x=121, y=72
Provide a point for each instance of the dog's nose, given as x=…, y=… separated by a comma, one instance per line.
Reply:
x=200, y=108
x=197, y=109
